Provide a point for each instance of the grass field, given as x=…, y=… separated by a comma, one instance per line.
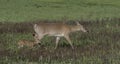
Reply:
x=99, y=46
x=28, y=10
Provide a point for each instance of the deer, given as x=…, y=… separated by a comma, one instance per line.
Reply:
x=58, y=30
x=22, y=43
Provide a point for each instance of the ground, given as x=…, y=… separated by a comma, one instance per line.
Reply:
x=99, y=45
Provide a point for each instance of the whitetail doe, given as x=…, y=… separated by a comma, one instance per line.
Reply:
x=22, y=43
x=58, y=30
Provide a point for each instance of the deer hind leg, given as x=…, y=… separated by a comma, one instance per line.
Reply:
x=57, y=40
x=68, y=39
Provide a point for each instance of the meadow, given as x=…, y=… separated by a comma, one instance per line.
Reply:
x=99, y=46
x=28, y=10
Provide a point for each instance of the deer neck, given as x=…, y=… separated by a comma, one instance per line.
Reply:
x=73, y=28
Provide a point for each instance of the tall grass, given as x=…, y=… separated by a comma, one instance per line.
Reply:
x=100, y=45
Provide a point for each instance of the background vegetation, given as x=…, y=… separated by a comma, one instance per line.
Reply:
x=27, y=10
x=99, y=46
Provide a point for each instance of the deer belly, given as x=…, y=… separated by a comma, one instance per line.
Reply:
x=55, y=34
x=59, y=35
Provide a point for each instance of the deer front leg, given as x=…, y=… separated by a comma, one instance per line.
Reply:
x=57, y=40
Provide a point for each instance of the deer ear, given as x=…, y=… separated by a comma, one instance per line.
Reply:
x=77, y=23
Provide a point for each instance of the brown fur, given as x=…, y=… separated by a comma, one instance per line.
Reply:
x=58, y=30
x=28, y=43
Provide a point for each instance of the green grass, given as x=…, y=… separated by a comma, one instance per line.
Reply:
x=29, y=10
x=100, y=45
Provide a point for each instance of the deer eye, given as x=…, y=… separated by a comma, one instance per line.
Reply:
x=33, y=34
